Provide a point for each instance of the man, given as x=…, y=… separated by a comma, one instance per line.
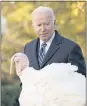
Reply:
x=55, y=49
x=58, y=49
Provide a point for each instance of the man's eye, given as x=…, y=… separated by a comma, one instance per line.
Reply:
x=47, y=24
x=39, y=25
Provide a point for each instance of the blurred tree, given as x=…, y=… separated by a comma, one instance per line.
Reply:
x=70, y=22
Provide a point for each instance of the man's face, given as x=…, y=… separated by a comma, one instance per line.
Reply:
x=43, y=25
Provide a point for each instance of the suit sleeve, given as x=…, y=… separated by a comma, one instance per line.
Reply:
x=76, y=58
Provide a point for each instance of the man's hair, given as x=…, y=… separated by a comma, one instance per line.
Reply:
x=43, y=9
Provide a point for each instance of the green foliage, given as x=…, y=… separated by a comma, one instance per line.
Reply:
x=70, y=22
x=9, y=93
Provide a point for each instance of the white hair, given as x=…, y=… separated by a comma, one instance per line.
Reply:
x=43, y=9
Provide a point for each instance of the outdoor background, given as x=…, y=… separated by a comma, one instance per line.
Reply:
x=17, y=31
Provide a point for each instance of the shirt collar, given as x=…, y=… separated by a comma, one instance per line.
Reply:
x=49, y=41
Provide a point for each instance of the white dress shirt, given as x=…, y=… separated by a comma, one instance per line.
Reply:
x=48, y=43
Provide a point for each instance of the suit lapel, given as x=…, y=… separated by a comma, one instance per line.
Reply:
x=35, y=52
x=53, y=48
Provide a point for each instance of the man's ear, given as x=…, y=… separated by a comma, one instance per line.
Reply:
x=33, y=25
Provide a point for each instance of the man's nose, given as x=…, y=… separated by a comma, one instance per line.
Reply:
x=43, y=28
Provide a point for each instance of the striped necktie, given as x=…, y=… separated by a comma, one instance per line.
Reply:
x=42, y=53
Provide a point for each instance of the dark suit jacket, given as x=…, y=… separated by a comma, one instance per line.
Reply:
x=62, y=50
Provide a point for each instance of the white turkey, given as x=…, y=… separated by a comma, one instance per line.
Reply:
x=57, y=84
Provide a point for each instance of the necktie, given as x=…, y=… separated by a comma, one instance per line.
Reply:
x=42, y=53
